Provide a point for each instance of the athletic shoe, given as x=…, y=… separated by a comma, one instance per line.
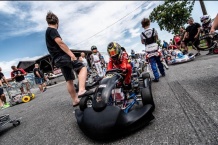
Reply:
x=155, y=80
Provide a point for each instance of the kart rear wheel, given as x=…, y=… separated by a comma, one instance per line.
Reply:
x=85, y=102
x=25, y=99
x=147, y=97
x=215, y=50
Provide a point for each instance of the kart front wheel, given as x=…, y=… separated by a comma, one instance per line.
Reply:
x=147, y=97
x=215, y=50
x=85, y=102
x=32, y=96
x=25, y=99
x=16, y=123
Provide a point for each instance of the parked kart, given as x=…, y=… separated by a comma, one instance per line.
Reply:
x=209, y=41
x=16, y=98
x=113, y=111
x=176, y=56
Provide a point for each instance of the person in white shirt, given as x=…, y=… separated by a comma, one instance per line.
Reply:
x=149, y=38
x=96, y=61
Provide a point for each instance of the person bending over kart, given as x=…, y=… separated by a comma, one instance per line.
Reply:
x=96, y=60
x=18, y=74
x=119, y=60
x=206, y=26
x=149, y=38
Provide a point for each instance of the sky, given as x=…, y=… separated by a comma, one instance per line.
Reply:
x=82, y=24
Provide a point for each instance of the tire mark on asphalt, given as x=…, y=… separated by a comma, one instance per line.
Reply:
x=205, y=128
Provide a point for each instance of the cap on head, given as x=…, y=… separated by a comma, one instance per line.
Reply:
x=93, y=47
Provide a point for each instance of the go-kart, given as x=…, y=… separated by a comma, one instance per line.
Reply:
x=113, y=111
x=16, y=98
x=176, y=56
x=208, y=41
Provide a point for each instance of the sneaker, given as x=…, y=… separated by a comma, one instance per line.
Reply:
x=155, y=80
x=163, y=75
x=44, y=89
x=197, y=54
x=5, y=106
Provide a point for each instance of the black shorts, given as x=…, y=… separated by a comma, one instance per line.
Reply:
x=1, y=91
x=193, y=40
x=67, y=70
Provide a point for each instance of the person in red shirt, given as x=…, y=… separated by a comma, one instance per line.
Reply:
x=119, y=59
x=18, y=74
x=177, y=40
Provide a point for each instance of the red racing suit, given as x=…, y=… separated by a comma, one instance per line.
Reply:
x=122, y=64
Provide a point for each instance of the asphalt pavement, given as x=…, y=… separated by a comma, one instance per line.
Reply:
x=186, y=112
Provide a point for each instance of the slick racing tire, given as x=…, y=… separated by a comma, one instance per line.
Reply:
x=85, y=102
x=147, y=97
x=25, y=99
x=16, y=123
x=215, y=50
x=32, y=96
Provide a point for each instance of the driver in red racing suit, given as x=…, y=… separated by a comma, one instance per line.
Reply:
x=119, y=59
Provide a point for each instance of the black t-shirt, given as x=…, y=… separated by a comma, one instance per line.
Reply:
x=16, y=72
x=39, y=71
x=1, y=75
x=193, y=30
x=52, y=46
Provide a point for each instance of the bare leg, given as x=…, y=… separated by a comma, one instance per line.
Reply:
x=82, y=80
x=40, y=88
x=27, y=87
x=72, y=92
x=3, y=98
x=1, y=103
x=22, y=91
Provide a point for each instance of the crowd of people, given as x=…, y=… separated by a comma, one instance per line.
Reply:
x=191, y=34
x=66, y=60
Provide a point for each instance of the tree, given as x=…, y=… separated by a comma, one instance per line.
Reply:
x=203, y=8
x=173, y=14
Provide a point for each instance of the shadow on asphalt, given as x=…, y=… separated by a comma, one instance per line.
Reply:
x=6, y=129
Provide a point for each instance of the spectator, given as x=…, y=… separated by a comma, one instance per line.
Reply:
x=192, y=34
x=39, y=78
x=165, y=44
x=149, y=38
x=214, y=25
x=83, y=59
x=96, y=60
x=3, y=103
x=18, y=74
x=2, y=77
x=65, y=59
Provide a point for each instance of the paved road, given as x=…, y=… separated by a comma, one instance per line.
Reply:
x=186, y=112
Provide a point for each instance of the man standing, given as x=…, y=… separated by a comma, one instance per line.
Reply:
x=2, y=77
x=18, y=75
x=192, y=34
x=39, y=78
x=65, y=59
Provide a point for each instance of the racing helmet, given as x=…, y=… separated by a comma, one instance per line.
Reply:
x=93, y=47
x=205, y=19
x=114, y=50
x=180, y=55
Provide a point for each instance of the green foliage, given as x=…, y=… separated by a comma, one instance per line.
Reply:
x=171, y=15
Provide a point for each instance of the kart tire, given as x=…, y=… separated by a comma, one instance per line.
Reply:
x=145, y=75
x=16, y=123
x=83, y=104
x=147, y=97
x=190, y=54
x=25, y=99
x=215, y=50
x=33, y=96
